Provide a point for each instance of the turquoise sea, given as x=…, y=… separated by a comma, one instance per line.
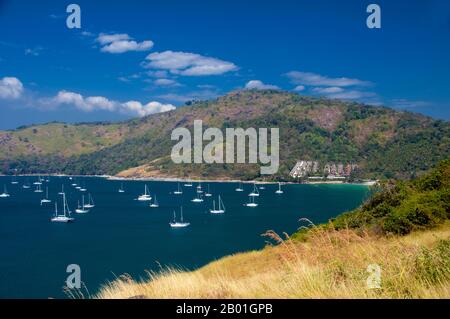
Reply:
x=121, y=235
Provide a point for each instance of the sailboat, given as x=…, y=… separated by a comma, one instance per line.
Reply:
x=155, y=203
x=208, y=194
x=62, y=190
x=188, y=184
x=90, y=203
x=74, y=182
x=38, y=182
x=38, y=188
x=198, y=199
x=262, y=187
x=252, y=202
x=65, y=218
x=83, y=189
x=146, y=196
x=180, y=224
x=26, y=185
x=178, y=191
x=121, y=190
x=14, y=179
x=221, y=209
x=199, y=188
x=279, y=191
x=5, y=192
x=255, y=191
x=81, y=209
x=46, y=200
x=239, y=189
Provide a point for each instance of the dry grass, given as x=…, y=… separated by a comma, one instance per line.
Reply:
x=331, y=264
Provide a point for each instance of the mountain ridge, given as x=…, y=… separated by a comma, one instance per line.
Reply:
x=310, y=128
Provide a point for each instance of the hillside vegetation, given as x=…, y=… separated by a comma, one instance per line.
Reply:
x=332, y=260
x=383, y=142
x=401, y=207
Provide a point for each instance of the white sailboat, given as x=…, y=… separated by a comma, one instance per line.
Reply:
x=81, y=209
x=39, y=181
x=26, y=185
x=198, y=199
x=45, y=200
x=262, y=187
x=188, y=184
x=239, y=189
x=255, y=191
x=155, y=203
x=179, y=224
x=121, y=190
x=252, y=202
x=199, y=188
x=208, y=194
x=178, y=191
x=38, y=188
x=62, y=190
x=83, y=189
x=221, y=209
x=14, y=179
x=65, y=217
x=279, y=191
x=90, y=203
x=5, y=192
x=146, y=196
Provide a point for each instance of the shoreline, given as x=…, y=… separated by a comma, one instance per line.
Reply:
x=177, y=179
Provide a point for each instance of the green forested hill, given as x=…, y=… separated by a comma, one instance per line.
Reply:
x=382, y=141
x=403, y=206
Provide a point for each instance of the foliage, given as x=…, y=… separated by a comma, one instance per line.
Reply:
x=401, y=207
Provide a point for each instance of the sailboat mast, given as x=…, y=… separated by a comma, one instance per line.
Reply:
x=64, y=204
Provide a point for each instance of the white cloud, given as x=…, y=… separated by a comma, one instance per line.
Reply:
x=188, y=64
x=157, y=74
x=314, y=79
x=104, y=38
x=299, y=88
x=10, y=88
x=146, y=109
x=33, y=51
x=166, y=82
x=328, y=90
x=259, y=85
x=121, y=42
x=125, y=46
x=92, y=103
x=87, y=34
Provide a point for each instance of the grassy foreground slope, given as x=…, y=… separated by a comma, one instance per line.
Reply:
x=330, y=265
x=331, y=261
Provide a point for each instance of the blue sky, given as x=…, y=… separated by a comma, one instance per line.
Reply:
x=133, y=58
